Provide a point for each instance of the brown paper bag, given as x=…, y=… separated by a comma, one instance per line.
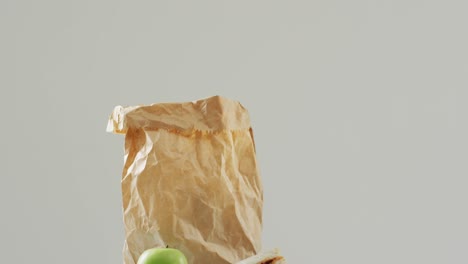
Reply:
x=190, y=180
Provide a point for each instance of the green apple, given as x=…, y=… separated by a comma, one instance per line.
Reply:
x=162, y=256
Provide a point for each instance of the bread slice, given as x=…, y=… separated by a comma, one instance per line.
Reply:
x=265, y=257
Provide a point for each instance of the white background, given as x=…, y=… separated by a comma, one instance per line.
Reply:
x=359, y=110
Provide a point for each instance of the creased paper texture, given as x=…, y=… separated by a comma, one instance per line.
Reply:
x=190, y=180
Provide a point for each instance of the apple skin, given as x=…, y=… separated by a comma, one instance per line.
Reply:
x=162, y=256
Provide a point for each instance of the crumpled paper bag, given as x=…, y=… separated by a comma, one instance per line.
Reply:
x=190, y=180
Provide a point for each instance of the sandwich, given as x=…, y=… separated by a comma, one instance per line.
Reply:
x=266, y=257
